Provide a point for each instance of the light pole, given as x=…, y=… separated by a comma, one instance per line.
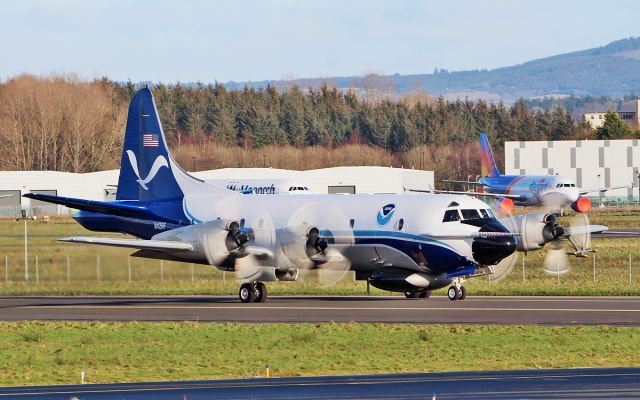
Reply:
x=26, y=243
x=599, y=191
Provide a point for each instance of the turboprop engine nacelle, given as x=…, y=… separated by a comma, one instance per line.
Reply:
x=302, y=245
x=212, y=241
x=581, y=205
x=534, y=229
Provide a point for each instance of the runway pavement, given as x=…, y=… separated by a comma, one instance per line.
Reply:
x=500, y=310
x=612, y=383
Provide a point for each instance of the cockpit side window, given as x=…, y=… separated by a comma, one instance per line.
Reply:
x=484, y=213
x=491, y=214
x=451, y=215
x=470, y=214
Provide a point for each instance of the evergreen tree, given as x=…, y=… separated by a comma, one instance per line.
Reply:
x=613, y=127
x=402, y=133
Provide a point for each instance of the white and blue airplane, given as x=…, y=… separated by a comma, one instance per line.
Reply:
x=405, y=243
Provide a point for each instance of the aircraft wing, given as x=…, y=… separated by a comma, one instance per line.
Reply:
x=499, y=195
x=156, y=245
x=602, y=190
x=583, y=230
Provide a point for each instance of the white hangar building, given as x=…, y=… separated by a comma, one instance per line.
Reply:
x=345, y=180
x=591, y=163
x=102, y=185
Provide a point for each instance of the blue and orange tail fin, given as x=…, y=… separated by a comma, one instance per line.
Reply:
x=487, y=162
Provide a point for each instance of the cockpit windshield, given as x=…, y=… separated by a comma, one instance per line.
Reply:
x=470, y=214
x=467, y=214
x=451, y=215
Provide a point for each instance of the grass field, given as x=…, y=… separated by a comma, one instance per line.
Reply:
x=100, y=270
x=35, y=353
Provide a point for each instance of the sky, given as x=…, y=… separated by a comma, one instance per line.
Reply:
x=252, y=40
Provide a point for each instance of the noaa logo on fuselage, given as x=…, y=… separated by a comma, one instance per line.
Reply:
x=385, y=213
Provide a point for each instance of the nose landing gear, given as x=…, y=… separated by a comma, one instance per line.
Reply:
x=457, y=291
x=254, y=292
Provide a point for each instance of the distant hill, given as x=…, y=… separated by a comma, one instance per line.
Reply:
x=611, y=70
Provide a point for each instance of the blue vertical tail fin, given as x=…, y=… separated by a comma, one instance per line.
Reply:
x=147, y=170
x=487, y=162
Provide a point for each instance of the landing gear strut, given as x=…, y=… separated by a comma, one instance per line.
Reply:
x=457, y=291
x=254, y=292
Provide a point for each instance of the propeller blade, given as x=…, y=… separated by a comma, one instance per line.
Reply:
x=556, y=261
x=503, y=268
x=333, y=271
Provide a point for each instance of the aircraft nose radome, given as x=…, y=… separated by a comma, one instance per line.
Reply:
x=491, y=250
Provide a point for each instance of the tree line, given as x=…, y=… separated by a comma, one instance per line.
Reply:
x=66, y=124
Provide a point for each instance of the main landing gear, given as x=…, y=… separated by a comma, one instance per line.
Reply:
x=415, y=294
x=457, y=292
x=254, y=292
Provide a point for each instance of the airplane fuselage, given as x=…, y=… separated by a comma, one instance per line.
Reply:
x=383, y=230
x=533, y=189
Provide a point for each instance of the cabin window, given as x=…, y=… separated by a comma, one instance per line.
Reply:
x=484, y=213
x=451, y=215
x=400, y=224
x=491, y=215
x=470, y=214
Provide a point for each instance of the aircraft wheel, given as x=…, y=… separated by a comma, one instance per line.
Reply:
x=411, y=295
x=425, y=294
x=261, y=289
x=247, y=294
x=462, y=293
x=453, y=293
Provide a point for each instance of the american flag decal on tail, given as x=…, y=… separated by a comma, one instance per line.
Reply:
x=150, y=140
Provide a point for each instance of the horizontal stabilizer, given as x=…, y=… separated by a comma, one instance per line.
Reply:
x=157, y=245
x=104, y=207
x=462, y=182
